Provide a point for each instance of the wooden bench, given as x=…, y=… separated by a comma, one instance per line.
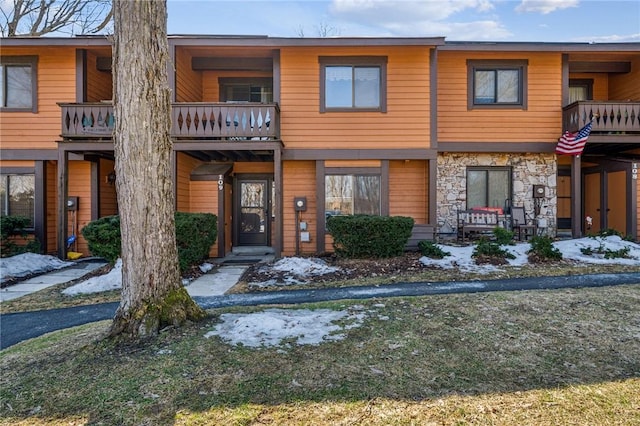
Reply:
x=476, y=222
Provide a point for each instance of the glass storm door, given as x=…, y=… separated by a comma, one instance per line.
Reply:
x=252, y=221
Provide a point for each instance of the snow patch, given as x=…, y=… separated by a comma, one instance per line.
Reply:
x=26, y=264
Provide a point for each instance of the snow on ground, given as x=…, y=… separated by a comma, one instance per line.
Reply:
x=26, y=264
x=296, y=270
x=109, y=281
x=275, y=327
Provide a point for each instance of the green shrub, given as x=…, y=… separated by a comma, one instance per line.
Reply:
x=12, y=228
x=430, y=249
x=542, y=249
x=103, y=237
x=195, y=234
x=622, y=253
x=503, y=236
x=365, y=236
x=487, y=251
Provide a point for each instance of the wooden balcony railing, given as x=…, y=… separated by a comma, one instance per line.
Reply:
x=224, y=121
x=608, y=116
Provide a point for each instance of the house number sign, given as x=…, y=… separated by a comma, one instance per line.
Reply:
x=220, y=182
x=634, y=171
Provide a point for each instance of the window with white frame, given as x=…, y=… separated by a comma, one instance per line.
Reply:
x=18, y=83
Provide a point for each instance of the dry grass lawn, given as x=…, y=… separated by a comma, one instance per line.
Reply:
x=522, y=358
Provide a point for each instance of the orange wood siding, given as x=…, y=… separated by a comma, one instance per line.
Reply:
x=408, y=190
x=299, y=181
x=80, y=186
x=204, y=199
x=183, y=180
x=540, y=122
x=626, y=86
x=108, y=198
x=17, y=163
x=56, y=83
x=188, y=82
x=600, y=84
x=404, y=125
x=52, y=210
x=99, y=83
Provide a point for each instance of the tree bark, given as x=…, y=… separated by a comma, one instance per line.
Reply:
x=152, y=293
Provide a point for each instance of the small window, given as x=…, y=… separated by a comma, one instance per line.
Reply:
x=352, y=194
x=17, y=195
x=18, y=83
x=497, y=84
x=353, y=84
x=488, y=187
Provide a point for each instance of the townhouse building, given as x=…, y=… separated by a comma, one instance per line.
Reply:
x=273, y=135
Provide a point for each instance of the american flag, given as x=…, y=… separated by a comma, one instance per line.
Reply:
x=573, y=143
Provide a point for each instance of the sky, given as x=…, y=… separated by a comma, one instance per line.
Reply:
x=284, y=327
x=463, y=20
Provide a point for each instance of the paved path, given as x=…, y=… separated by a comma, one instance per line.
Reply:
x=25, y=325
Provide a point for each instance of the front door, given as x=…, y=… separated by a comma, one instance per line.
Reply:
x=592, y=204
x=252, y=212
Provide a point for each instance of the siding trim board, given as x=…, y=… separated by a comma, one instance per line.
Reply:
x=522, y=147
x=359, y=154
x=30, y=154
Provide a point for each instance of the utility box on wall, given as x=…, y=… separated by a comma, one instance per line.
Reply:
x=72, y=203
x=300, y=204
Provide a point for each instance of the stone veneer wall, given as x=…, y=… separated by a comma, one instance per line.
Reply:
x=528, y=170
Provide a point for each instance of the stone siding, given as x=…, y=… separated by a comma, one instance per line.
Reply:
x=528, y=170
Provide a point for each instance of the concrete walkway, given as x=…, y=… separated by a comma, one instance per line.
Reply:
x=40, y=282
x=215, y=283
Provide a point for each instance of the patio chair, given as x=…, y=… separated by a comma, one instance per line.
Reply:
x=520, y=225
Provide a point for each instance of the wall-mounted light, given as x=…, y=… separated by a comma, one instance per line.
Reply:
x=111, y=178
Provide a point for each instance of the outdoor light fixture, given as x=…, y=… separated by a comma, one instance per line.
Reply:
x=111, y=178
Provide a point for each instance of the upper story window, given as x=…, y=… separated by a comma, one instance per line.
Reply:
x=18, y=83
x=353, y=83
x=497, y=84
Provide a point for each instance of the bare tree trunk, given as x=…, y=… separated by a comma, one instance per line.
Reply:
x=152, y=294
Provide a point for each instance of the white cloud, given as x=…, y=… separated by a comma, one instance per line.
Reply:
x=421, y=18
x=545, y=6
x=404, y=11
x=614, y=38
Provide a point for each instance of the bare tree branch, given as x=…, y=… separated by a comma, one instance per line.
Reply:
x=40, y=17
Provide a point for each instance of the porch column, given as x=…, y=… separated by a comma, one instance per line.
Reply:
x=433, y=194
x=576, y=197
x=279, y=203
x=63, y=181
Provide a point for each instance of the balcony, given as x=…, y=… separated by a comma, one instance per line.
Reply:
x=189, y=121
x=609, y=117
